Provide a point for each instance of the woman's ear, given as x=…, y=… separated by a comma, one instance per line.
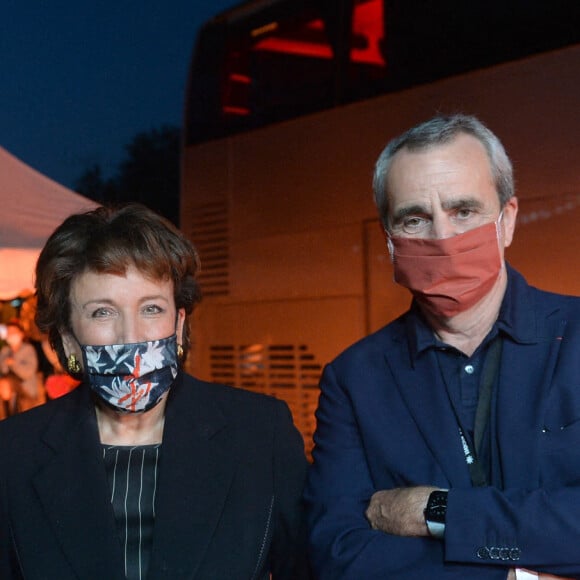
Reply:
x=179, y=325
x=70, y=345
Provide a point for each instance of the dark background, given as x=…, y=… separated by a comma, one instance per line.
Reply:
x=79, y=80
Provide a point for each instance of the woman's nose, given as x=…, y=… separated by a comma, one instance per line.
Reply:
x=128, y=331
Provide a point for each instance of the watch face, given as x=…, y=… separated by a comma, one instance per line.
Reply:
x=437, y=513
x=436, y=507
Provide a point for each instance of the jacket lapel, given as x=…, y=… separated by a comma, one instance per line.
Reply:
x=72, y=489
x=196, y=471
x=526, y=376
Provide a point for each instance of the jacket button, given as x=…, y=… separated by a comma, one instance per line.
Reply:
x=515, y=554
x=483, y=553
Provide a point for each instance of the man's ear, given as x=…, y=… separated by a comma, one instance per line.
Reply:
x=508, y=222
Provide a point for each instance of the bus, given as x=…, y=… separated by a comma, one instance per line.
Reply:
x=288, y=105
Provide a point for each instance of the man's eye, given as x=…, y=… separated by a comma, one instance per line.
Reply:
x=414, y=224
x=464, y=213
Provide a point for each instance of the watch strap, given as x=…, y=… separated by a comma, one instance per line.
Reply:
x=436, y=529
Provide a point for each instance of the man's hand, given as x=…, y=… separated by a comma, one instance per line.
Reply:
x=399, y=511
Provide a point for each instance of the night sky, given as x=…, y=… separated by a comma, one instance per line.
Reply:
x=80, y=79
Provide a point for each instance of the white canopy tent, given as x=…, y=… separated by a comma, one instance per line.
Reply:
x=31, y=206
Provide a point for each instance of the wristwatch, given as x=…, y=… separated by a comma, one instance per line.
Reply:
x=435, y=513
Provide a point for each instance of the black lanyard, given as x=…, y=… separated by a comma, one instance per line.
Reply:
x=483, y=411
x=490, y=371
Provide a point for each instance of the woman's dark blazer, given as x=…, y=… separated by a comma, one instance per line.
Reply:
x=228, y=502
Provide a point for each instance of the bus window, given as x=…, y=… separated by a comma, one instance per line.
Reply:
x=253, y=68
x=271, y=60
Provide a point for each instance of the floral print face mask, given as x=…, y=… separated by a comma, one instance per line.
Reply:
x=131, y=378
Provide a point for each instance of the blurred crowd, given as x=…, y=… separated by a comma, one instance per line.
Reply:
x=30, y=373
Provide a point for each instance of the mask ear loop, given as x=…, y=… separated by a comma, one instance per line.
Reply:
x=390, y=244
x=391, y=248
x=499, y=235
x=180, y=352
x=498, y=224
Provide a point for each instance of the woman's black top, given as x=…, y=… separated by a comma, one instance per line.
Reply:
x=132, y=473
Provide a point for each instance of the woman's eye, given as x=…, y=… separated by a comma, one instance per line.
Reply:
x=101, y=313
x=152, y=309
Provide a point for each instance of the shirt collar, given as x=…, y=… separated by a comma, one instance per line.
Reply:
x=514, y=319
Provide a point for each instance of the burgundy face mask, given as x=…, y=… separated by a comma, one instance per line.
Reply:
x=450, y=275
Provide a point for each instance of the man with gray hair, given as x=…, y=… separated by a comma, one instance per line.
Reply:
x=447, y=443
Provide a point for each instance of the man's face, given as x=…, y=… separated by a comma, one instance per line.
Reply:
x=445, y=190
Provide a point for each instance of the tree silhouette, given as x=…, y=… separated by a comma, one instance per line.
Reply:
x=93, y=185
x=149, y=174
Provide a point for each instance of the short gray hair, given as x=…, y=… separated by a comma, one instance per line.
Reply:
x=438, y=131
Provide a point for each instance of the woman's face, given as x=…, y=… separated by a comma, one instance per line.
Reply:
x=113, y=309
x=14, y=337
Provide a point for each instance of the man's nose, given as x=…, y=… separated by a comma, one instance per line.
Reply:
x=442, y=228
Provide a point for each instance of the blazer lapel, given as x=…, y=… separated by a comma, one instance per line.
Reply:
x=525, y=379
x=426, y=398
x=196, y=471
x=72, y=489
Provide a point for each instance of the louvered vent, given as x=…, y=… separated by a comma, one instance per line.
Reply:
x=288, y=372
x=208, y=228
